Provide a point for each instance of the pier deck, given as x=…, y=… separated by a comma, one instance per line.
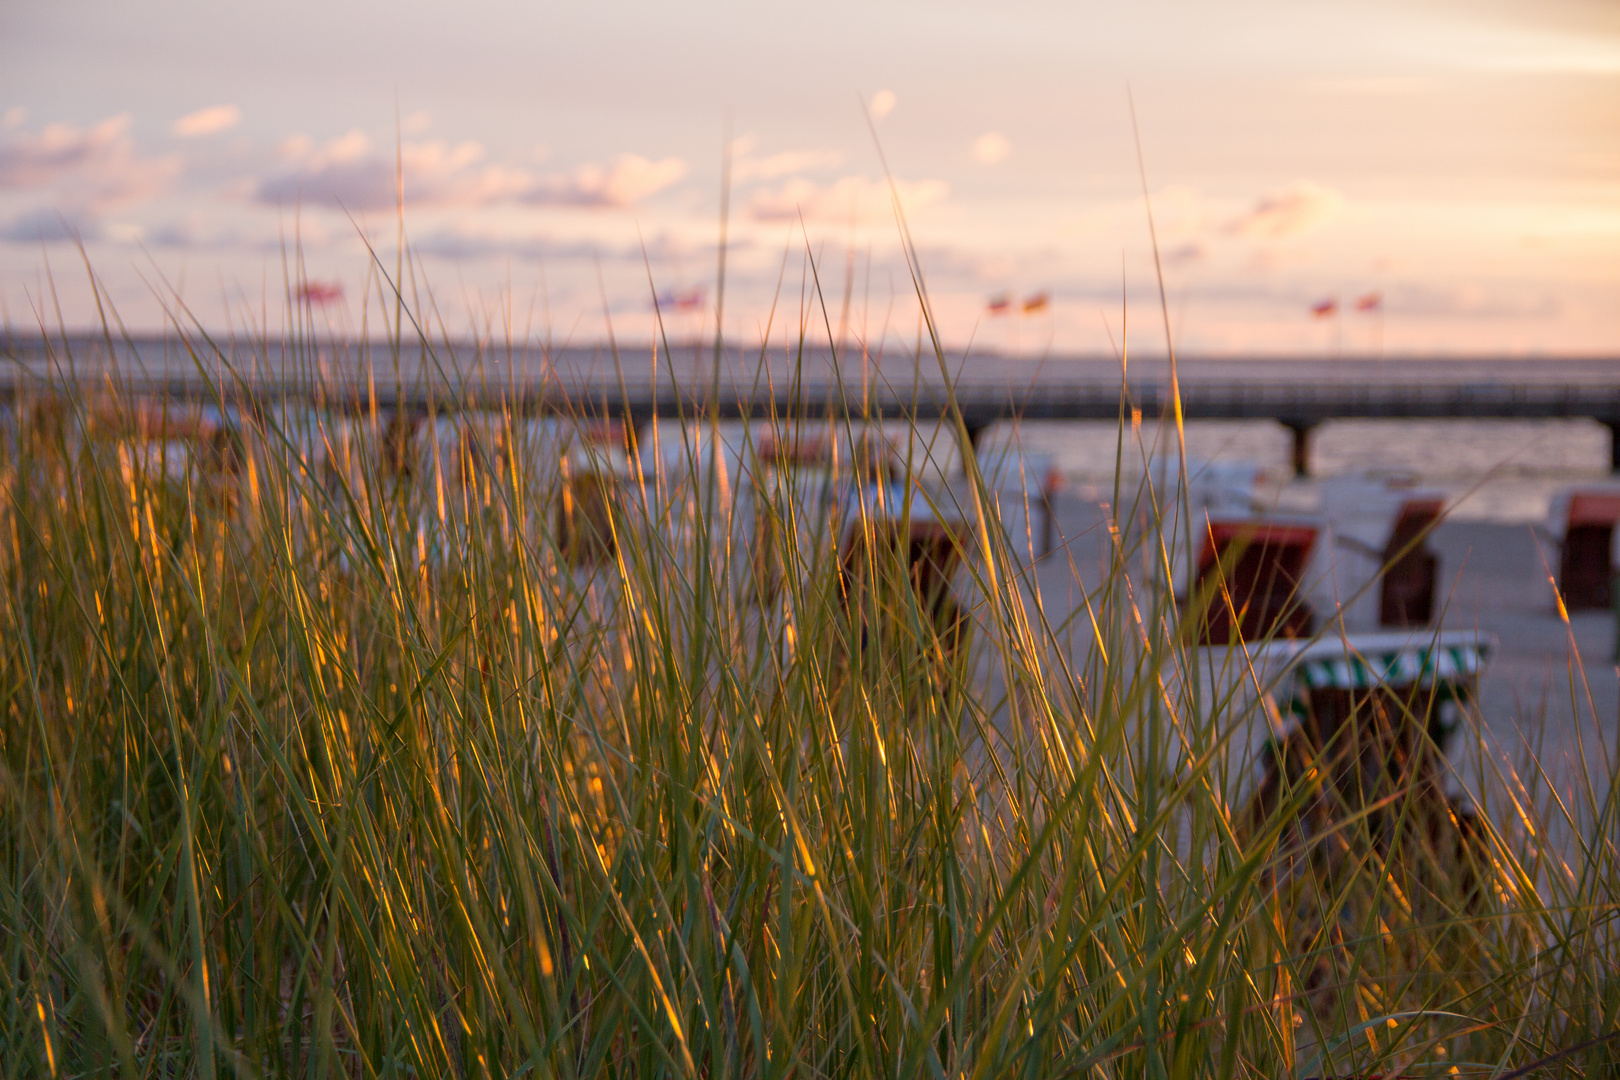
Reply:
x=1298, y=395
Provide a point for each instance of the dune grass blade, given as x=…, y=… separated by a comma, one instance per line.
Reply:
x=317, y=761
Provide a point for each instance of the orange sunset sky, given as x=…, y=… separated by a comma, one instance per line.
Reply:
x=1459, y=160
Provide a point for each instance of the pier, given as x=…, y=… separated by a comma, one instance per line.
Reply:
x=1299, y=395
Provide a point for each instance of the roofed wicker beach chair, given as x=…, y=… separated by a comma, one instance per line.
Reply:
x=1583, y=523
x=1248, y=580
x=596, y=476
x=802, y=473
x=1359, y=777
x=896, y=546
x=1379, y=568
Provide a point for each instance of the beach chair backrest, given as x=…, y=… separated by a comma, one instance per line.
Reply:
x=1411, y=570
x=794, y=449
x=584, y=518
x=1260, y=566
x=1585, y=564
x=399, y=439
x=931, y=550
x=928, y=551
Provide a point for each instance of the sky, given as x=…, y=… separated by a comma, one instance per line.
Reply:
x=1444, y=177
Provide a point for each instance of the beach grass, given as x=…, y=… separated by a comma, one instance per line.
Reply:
x=310, y=767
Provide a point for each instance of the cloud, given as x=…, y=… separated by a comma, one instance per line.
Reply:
x=1293, y=210
x=14, y=118
x=1183, y=211
x=1186, y=254
x=468, y=244
x=174, y=234
x=745, y=168
x=851, y=195
x=89, y=169
x=341, y=170
x=882, y=104
x=347, y=172
x=44, y=226
x=628, y=179
x=990, y=148
x=209, y=121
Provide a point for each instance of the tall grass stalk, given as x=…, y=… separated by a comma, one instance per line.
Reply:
x=311, y=768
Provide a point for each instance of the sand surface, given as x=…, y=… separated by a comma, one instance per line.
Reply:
x=1551, y=688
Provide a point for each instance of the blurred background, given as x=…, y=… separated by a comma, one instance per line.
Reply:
x=1328, y=180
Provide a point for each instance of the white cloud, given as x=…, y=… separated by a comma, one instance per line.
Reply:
x=1295, y=209
x=990, y=148
x=209, y=121
x=852, y=195
x=125, y=233
x=349, y=172
x=1180, y=210
x=14, y=118
x=345, y=171
x=89, y=169
x=628, y=179
x=745, y=168
x=36, y=160
x=416, y=123
x=882, y=104
x=294, y=147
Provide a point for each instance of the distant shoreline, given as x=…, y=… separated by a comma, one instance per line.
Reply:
x=18, y=345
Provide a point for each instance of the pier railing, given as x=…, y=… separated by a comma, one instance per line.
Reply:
x=590, y=383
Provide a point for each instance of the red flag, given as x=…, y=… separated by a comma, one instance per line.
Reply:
x=1324, y=308
x=320, y=293
x=1370, y=302
x=1037, y=302
x=686, y=300
x=1000, y=304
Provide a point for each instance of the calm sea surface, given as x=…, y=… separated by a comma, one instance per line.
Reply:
x=1495, y=470
x=1498, y=470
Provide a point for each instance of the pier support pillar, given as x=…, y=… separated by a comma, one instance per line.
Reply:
x=1614, y=443
x=970, y=445
x=1301, y=431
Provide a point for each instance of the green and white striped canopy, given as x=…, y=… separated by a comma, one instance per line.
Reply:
x=1404, y=667
x=1446, y=662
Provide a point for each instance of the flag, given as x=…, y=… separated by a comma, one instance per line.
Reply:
x=1037, y=302
x=1000, y=304
x=320, y=293
x=1323, y=309
x=685, y=300
x=1370, y=302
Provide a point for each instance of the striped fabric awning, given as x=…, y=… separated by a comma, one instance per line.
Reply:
x=1419, y=664
x=1442, y=665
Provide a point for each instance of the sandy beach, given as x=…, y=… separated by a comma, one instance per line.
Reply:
x=1551, y=689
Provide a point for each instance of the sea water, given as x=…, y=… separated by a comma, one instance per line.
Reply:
x=1491, y=470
